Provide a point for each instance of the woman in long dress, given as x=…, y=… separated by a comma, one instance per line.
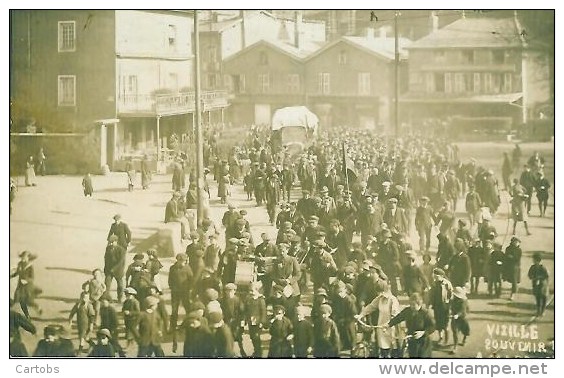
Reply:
x=26, y=291
x=387, y=306
x=30, y=172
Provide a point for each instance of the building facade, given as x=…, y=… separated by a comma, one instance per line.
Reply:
x=473, y=74
x=124, y=76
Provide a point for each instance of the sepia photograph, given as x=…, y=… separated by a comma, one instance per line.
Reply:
x=282, y=183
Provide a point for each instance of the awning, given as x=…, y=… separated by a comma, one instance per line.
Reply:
x=505, y=98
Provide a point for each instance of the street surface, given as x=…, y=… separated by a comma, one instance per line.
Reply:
x=68, y=233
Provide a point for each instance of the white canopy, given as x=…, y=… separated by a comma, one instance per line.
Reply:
x=294, y=116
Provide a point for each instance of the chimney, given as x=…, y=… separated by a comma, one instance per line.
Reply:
x=297, y=28
x=370, y=33
x=434, y=21
x=242, y=15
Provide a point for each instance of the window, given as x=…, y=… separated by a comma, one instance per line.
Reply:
x=459, y=83
x=448, y=82
x=67, y=36
x=293, y=83
x=323, y=83
x=507, y=82
x=498, y=56
x=430, y=82
x=172, y=36
x=477, y=87
x=439, y=56
x=67, y=90
x=488, y=82
x=263, y=83
x=364, y=83
x=467, y=56
x=131, y=87
x=263, y=58
x=212, y=82
x=342, y=58
x=173, y=81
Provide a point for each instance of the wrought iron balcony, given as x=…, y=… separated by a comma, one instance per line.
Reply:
x=174, y=103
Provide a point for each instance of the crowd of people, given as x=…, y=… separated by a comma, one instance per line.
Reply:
x=333, y=276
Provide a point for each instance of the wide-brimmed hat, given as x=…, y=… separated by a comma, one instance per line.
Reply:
x=28, y=254
x=104, y=332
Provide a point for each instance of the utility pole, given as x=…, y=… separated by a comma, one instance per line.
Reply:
x=396, y=74
x=198, y=121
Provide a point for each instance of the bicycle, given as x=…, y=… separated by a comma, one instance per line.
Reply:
x=365, y=348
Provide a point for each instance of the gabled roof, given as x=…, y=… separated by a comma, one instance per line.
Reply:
x=293, y=52
x=383, y=48
x=473, y=32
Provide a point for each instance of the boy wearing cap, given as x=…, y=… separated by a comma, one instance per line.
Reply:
x=85, y=316
x=131, y=310
x=198, y=342
x=150, y=330
x=538, y=274
x=458, y=310
x=233, y=314
x=344, y=311
x=255, y=317
x=281, y=335
x=303, y=334
x=109, y=320
x=222, y=338
x=103, y=347
x=327, y=343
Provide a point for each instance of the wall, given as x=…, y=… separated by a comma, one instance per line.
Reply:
x=344, y=78
x=93, y=64
x=153, y=74
x=147, y=33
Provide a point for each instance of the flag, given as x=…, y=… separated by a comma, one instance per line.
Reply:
x=348, y=167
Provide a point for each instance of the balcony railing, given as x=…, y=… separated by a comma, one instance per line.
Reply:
x=177, y=103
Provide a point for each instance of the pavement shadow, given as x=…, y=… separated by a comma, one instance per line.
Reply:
x=111, y=201
x=142, y=245
x=75, y=270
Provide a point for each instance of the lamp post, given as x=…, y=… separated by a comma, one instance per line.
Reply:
x=198, y=121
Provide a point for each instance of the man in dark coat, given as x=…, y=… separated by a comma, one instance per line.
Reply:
x=303, y=334
x=255, y=317
x=180, y=279
x=445, y=251
x=495, y=268
x=337, y=240
x=327, y=342
x=528, y=181
x=512, y=264
x=150, y=330
x=198, y=342
x=420, y=326
x=395, y=217
x=53, y=344
x=114, y=266
x=222, y=338
x=414, y=281
x=121, y=230
x=344, y=310
x=478, y=259
x=109, y=321
x=459, y=266
x=388, y=259
x=424, y=223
